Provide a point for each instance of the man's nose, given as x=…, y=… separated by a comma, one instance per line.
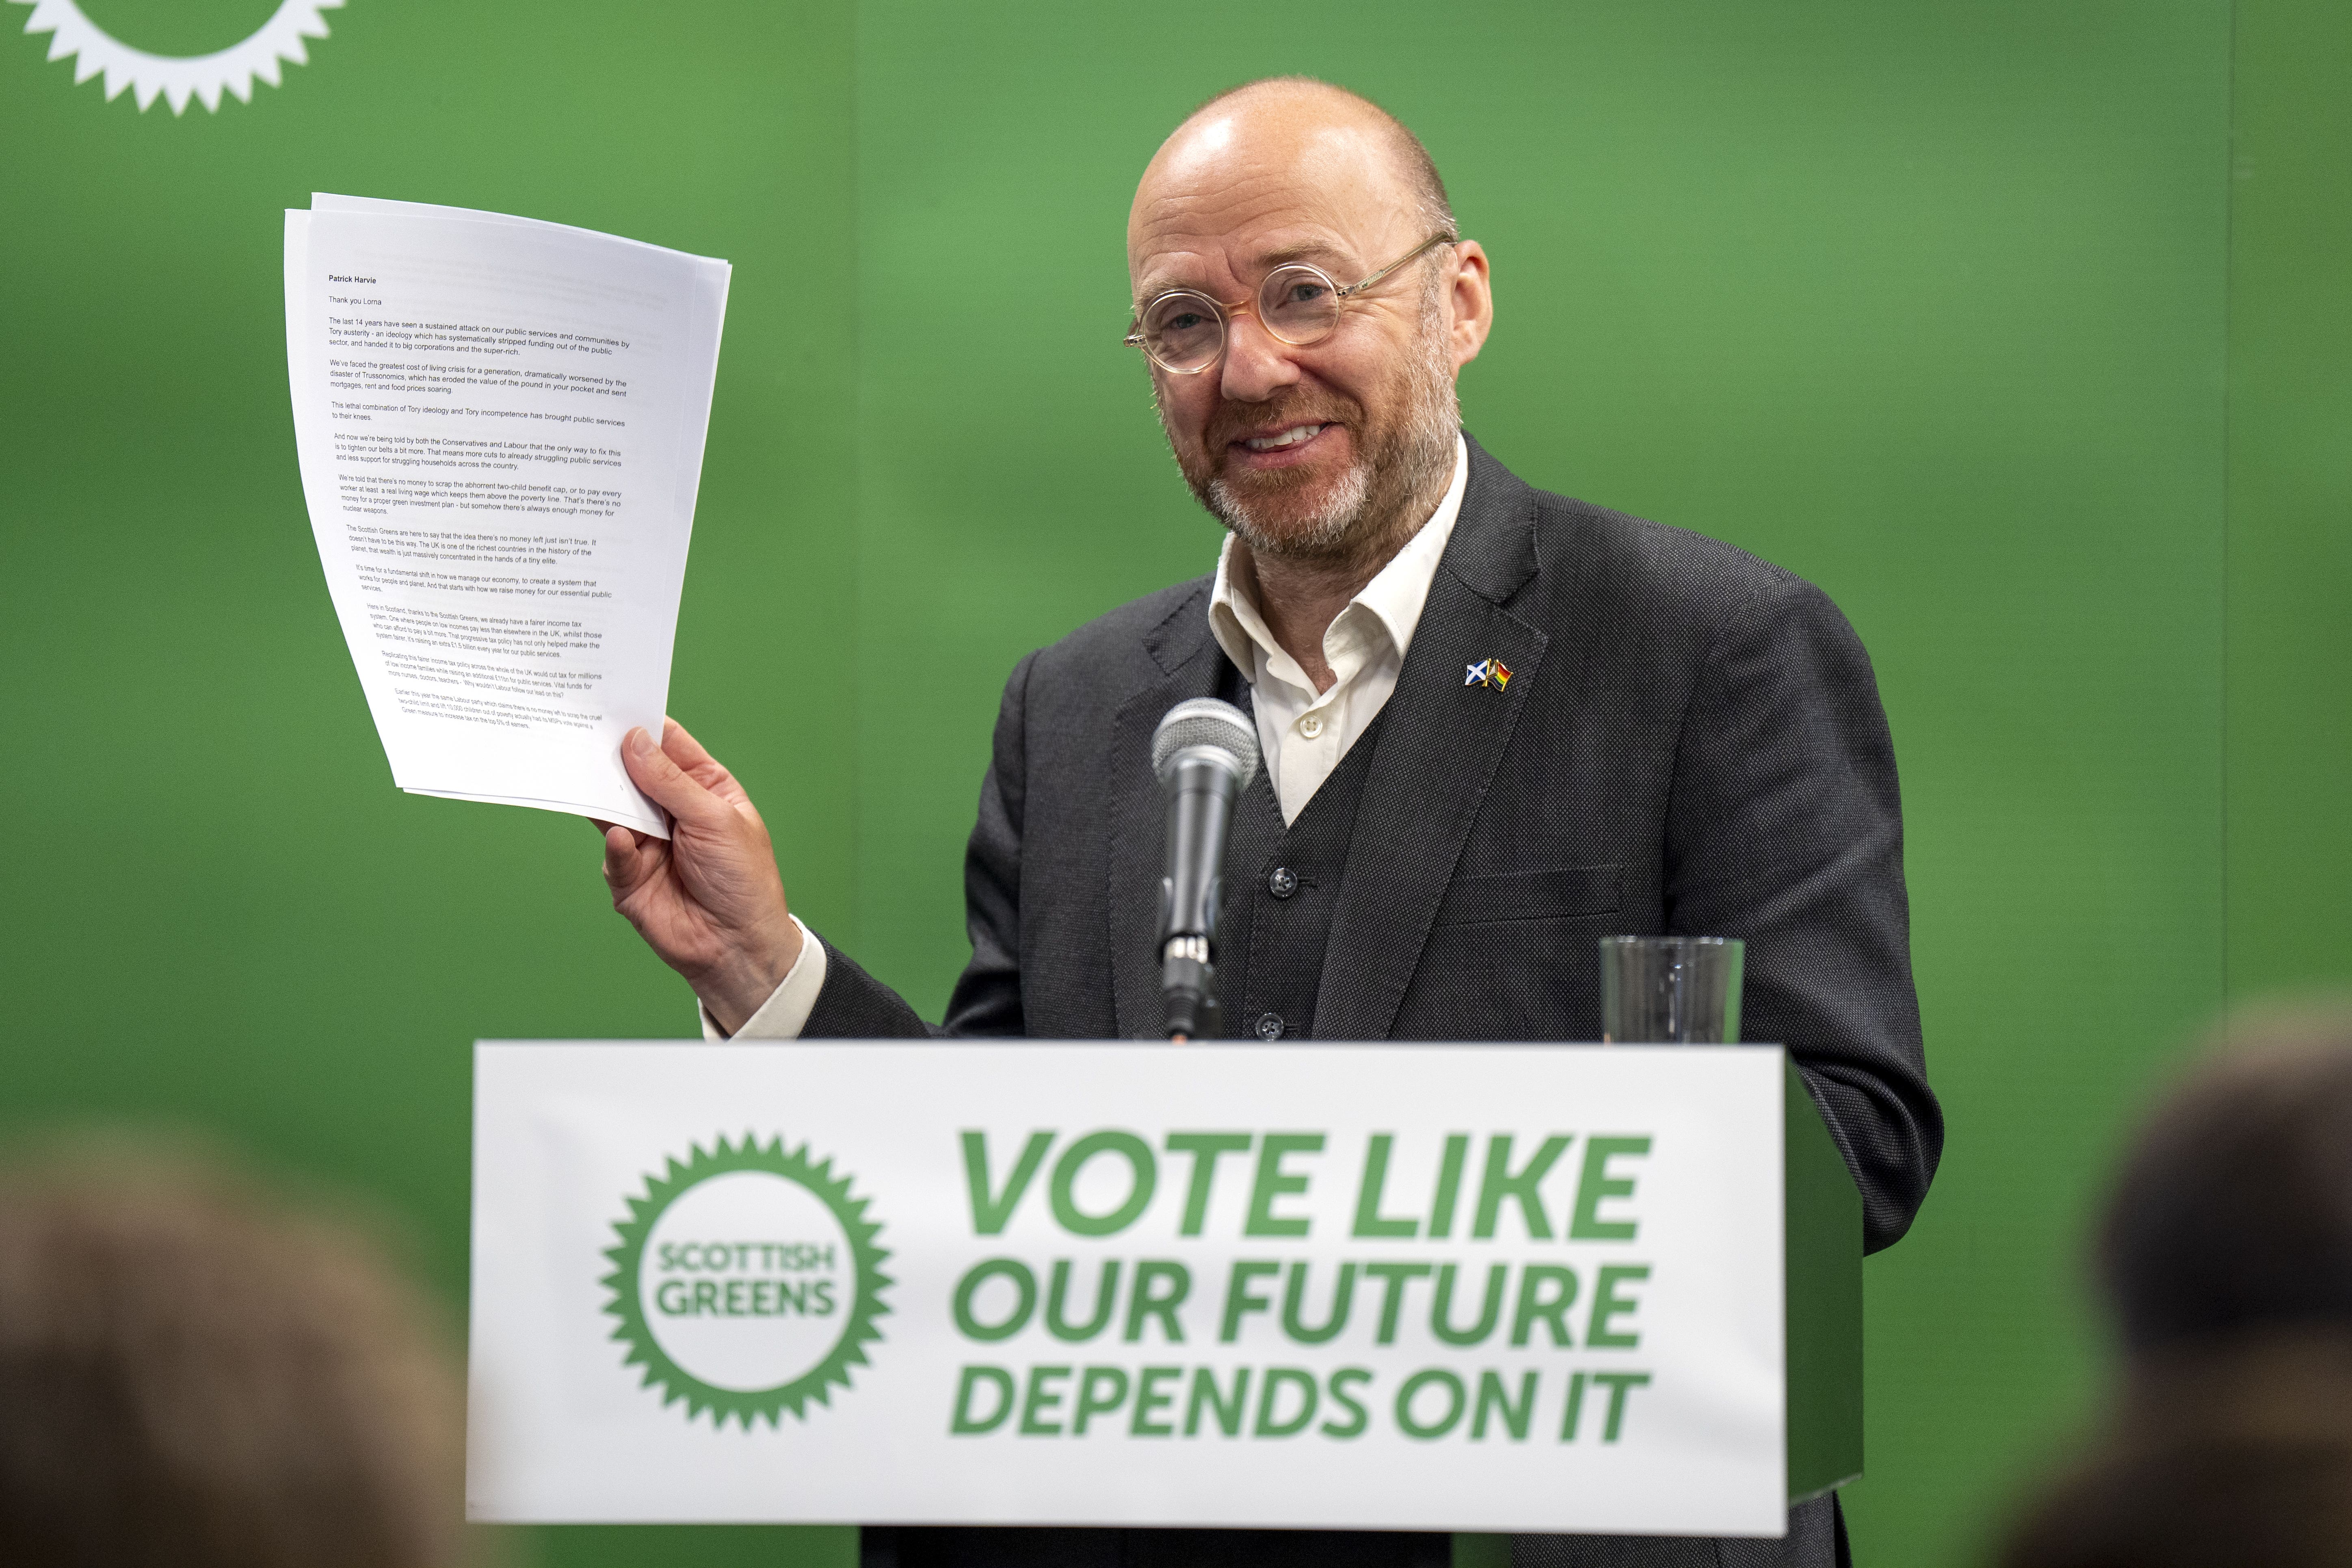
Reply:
x=1257, y=364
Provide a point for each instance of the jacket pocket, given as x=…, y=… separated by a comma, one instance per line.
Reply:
x=1559, y=893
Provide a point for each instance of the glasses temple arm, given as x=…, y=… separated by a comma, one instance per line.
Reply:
x=1434, y=240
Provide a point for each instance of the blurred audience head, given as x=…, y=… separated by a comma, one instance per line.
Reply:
x=2235, y=1210
x=2234, y=1455
x=2226, y=1257
x=193, y=1373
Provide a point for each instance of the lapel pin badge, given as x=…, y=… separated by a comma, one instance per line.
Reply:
x=1489, y=672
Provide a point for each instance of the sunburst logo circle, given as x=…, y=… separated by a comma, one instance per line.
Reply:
x=176, y=78
x=747, y=1281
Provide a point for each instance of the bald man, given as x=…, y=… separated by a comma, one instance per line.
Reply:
x=1497, y=724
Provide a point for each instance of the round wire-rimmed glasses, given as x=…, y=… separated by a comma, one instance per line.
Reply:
x=1183, y=329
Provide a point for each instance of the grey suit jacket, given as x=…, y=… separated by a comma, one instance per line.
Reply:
x=1691, y=741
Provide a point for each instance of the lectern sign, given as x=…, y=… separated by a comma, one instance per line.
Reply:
x=1465, y=1288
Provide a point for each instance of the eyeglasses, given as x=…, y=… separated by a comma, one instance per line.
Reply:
x=1183, y=329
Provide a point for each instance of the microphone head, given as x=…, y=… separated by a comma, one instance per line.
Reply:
x=1205, y=721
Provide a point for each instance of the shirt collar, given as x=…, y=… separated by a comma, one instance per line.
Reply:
x=1393, y=597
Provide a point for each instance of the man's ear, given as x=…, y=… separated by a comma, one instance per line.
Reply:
x=1470, y=296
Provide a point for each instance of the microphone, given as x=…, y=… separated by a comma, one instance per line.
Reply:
x=1204, y=753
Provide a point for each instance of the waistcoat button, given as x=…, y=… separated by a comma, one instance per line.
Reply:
x=1269, y=1026
x=1282, y=881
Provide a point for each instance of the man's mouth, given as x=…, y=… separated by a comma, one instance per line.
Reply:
x=1296, y=435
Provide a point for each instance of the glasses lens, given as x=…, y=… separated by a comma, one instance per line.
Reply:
x=1298, y=304
x=1184, y=331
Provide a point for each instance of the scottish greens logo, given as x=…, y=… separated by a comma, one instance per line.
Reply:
x=178, y=78
x=747, y=1281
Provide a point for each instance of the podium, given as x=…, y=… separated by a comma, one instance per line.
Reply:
x=1483, y=1288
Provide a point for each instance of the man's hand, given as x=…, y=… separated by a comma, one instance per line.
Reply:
x=708, y=900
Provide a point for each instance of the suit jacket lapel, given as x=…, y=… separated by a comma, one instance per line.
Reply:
x=1442, y=741
x=1191, y=665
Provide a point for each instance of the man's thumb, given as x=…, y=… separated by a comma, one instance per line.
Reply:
x=668, y=784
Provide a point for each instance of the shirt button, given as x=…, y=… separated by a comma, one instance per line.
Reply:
x=1269, y=1026
x=1311, y=725
x=1282, y=881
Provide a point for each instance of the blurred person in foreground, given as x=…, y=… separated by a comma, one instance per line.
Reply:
x=2226, y=1257
x=192, y=1374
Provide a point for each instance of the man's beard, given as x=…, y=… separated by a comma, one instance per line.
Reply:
x=1400, y=470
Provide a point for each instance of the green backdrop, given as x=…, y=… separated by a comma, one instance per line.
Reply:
x=1976, y=314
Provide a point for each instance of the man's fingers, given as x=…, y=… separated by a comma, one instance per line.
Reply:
x=623, y=869
x=653, y=770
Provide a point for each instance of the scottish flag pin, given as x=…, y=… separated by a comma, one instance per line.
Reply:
x=1492, y=672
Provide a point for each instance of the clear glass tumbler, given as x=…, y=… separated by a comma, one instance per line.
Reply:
x=1670, y=990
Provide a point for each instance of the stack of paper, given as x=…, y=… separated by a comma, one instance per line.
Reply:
x=500, y=426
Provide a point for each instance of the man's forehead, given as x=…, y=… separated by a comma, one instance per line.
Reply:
x=1246, y=194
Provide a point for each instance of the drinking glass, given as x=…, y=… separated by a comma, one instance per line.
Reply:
x=1670, y=990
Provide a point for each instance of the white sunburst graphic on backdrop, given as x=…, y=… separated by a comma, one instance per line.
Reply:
x=179, y=78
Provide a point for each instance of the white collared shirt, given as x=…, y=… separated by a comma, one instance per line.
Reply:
x=1301, y=732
